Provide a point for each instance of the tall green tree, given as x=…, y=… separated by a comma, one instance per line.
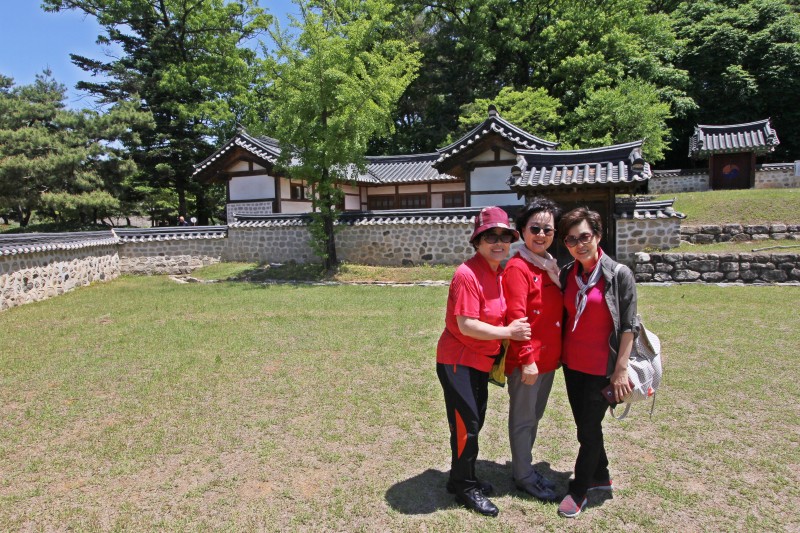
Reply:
x=572, y=48
x=531, y=109
x=338, y=79
x=187, y=63
x=744, y=61
x=69, y=163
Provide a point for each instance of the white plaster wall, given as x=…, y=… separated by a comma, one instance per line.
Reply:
x=482, y=200
x=447, y=187
x=243, y=166
x=295, y=207
x=252, y=187
x=489, y=178
x=352, y=202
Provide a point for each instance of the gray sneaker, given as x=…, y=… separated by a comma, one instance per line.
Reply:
x=533, y=486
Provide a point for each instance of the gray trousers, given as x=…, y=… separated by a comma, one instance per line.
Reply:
x=526, y=407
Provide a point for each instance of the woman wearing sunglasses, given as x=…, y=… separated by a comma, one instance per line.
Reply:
x=474, y=329
x=600, y=303
x=533, y=290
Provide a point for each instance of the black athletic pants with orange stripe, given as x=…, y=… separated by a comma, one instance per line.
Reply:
x=466, y=391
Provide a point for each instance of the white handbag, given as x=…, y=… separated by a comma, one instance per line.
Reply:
x=644, y=368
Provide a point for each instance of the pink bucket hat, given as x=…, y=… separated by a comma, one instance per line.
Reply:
x=492, y=217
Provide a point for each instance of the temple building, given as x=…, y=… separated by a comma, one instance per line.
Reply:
x=496, y=163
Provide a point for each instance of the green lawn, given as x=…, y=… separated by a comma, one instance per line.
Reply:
x=147, y=405
x=749, y=206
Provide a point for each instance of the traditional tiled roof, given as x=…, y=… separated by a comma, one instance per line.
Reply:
x=392, y=169
x=617, y=164
x=172, y=233
x=758, y=137
x=25, y=243
x=265, y=148
x=457, y=215
x=648, y=210
x=494, y=124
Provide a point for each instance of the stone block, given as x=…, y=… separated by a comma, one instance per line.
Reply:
x=689, y=230
x=643, y=277
x=778, y=236
x=756, y=228
x=662, y=277
x=713, y=276
x=730, y=266
x=760, y=236
x=740, y=237
x=644, y=268
x=686, y=275
x=707, y=265
x=794, y=275
x=731, y=276
x=777, y=228
x=748, y=275
x=732, y=229
x=711, y=229
x=702, y=238
x=664, y=267
x=774, y=276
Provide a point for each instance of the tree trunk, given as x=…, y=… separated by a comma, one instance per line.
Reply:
x=202, y=208
x=24, y=216
x=330, y=241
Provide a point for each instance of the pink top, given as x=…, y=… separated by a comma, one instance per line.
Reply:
x=475, y=292
x=586, y=348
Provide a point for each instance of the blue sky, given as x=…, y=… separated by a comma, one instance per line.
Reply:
x=32, y=40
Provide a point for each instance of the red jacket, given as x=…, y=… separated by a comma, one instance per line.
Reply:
x=530, y=292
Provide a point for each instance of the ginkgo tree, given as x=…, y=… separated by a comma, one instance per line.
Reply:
x=338, y=77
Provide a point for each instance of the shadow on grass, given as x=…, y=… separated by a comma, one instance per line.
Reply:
x=425, y=493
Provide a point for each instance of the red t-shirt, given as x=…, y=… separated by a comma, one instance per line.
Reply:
x=475, y=292
x=586, y=348
x=530, y=292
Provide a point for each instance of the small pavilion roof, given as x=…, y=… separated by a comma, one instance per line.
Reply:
x=758, y=137
x=264, y=148
x=494, y=124
x=608, y=165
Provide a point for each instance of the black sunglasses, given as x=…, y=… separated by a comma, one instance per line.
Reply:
x=535, y=230
x=583, y=238
x=492, y=238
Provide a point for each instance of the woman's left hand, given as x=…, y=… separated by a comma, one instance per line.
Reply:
x=621, y=384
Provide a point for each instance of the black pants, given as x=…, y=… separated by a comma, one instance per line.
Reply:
x=466, y=391
x=588, y=409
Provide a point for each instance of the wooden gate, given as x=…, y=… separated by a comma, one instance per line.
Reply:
x=731, y=171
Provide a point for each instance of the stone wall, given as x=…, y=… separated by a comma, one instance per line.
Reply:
x=776, y=176
x=35, y=276
x=269, y=243
x=768, y=176
x=649, y=234
x=683, y=180
x=727, y=268
x=247, y=208
x=711, y=233
x=405, y=243
x=169, y=256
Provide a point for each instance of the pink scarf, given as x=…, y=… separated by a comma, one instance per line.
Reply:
x=548, y=264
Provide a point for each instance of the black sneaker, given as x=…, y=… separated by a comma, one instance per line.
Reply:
x=484, y=486
x=474, y=500
x=535, y=488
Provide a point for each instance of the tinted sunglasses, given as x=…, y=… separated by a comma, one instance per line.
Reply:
x=583, y=238
x=535, y=230
x=492, y=238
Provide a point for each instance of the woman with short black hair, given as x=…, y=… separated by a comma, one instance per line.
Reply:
x=600, y=303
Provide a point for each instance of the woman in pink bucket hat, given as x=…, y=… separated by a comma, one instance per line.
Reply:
x=474, y=329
